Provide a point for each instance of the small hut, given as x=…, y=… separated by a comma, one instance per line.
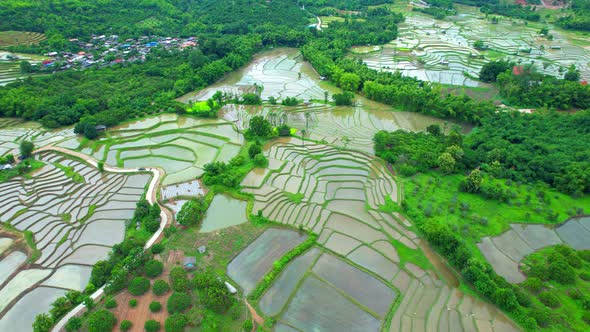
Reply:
x=189, y=263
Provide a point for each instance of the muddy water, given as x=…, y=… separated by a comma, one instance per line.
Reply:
x=439, y=264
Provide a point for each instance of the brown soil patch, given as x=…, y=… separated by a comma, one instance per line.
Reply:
x=141, y=313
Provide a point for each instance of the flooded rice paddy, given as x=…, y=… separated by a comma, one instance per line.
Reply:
x=505, y=251
x=96, y=209
x=442, y=50
x=223, y=212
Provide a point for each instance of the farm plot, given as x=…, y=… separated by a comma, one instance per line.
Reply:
x=505, y=251
x=15, y=38
x=223, y=212
x=179, y=145
x=75, y=220
x=337, y=194
x=13, y=131
x=10, y=65
x=442, y=50
x=347, y=127
x=248, y=268
x=282, y=73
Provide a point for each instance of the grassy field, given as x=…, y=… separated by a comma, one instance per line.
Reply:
x=14, y=38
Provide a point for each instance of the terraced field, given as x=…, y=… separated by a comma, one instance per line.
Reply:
x=337, y=194
x=10, y=65
x=13, y=131
x=180, y=145
x=277, y=71
x=15, y=38
x=442, y=50
x=74, y=223
x=505, y=251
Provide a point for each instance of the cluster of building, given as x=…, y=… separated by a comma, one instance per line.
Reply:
x=108, y=50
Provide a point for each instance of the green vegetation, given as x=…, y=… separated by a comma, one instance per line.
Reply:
x=160, y=287
x=70, y=172
x=153, y=268
x=101, y=321
x=22, y=169
x=280, y=265
x=138, y=286
x=192, y=212
x=26, y=149
x=155, y=306
x=73, y=324
x=152, y=326
x=125, y=325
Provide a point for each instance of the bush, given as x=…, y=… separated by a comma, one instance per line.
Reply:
x=175, y=323
x=586, y=317
x=506, y=299
x=153, y=268
x=152, y=326
x=562, y=272
x=254, y=150
x=110, y=304
x=138, y=286
x=549, y=299
x=178, y=302
x=160, y=287
x=125, y=325
x=157, y=248
x=42, y=323
x=247, y=326
x=535, y=285
x=133, y=303
x=260, y=160
x=101, y=321
x=523, y=298
x=217, y=298
x=585, y=255
x=195, y=316
x=74, y=324
x=585, y=276
x=542, y=316
x=179, y=279
x=155, y=306
x=235, y=312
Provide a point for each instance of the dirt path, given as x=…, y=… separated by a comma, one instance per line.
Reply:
x=166, y=218
x=255, y=316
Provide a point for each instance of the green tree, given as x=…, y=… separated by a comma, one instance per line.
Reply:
x=42, y=323
x=155, y=306
x=350, y=81
x=101, y=321
x=152, y=326
x=125, y=325
x=25, y=67
x=254, y=150
x=260, y=126
x=191, y=212
x=447, y=163
x=160, y=287
x=26, y=148
x=176, y=323
x=178, y=302
x=179, y=279
x=138, y=286
x=572, y=74
x=73, y=324
x=479, y=45
x=153, y=268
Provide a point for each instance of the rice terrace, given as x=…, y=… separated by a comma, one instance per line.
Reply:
x=359, y=165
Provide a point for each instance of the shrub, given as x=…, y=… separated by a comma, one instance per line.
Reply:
x=549, y=299
x=101, y=321
x=133, y=303
x=575, y=294
x=217, y=298
x=125, y=325
x=254, y=150
x=542, y=316
x=523, y=298
x=586, y=317
x=42, y=323
x=585, y=276
x=74, y=324
x=157, y=248
x=178, y=302
x=195, y=316
x=585, y=255
x=152, y=326
x=235, y=312
x=562, y=272
x=138, y=286
x=155, y=306
x=533, y=284
x=175, y=323
x=260, y=161
x=247, y=326
x=153, y=268
x=110, y=304
x=160, y=287
x=506, y=299
x=179, y=279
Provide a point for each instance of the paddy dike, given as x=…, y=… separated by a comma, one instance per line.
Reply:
x=505, y=251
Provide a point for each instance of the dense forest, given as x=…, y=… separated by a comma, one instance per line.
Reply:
x=579, y=18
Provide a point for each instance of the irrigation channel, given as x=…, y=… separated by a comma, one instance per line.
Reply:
x=369, y=271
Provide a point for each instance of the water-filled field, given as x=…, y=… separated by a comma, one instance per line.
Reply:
x=223, y=212
x=442, y=50
x=339, y=194
x=180, y=145
x=10, y=65
x=505, y=251
x=74, y=225
x=13, y=131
